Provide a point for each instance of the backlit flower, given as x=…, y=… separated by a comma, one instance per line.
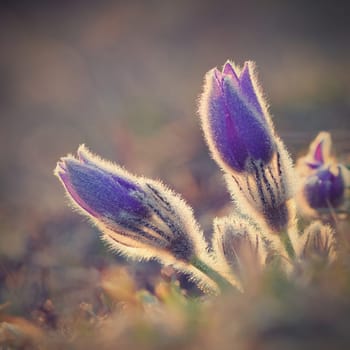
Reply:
x=234, y=118
x=138, y=217
x=241, y=138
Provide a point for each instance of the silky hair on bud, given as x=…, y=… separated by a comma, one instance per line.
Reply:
x=139, y=218
x=317, y=242
x=239, y=248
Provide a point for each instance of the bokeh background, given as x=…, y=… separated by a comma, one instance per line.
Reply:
x=123, y=77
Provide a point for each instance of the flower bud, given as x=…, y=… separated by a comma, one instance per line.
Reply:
x=325, y=188
x=234, y=118
x=241, y=138
x=138, y=217
x=317, y=242
x=239, y=247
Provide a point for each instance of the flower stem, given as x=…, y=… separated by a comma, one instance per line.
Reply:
x=221, y=281
x=287, y=244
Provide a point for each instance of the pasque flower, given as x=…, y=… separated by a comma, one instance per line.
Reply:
x=234, y=118
x=138, y=217
x=325, y=188
x=241, y=138
x=323, y=181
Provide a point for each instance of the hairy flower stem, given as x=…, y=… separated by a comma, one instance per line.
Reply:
x=287, y=244
x=221, y=281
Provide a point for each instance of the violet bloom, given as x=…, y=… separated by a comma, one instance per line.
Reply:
x=241, y=138
x=138, y=217
x=234, y=118
x=325, y=188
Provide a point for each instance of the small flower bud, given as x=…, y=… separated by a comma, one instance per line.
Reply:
x=239, y=247
x=317, y=242
x=323, y=181
x=325, y=188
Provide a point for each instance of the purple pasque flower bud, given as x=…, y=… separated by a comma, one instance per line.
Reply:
x=325, y=188
x=138, y=217
x=241, y=138
x=234, y=118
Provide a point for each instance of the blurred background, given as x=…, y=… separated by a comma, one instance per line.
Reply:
x=124, y=77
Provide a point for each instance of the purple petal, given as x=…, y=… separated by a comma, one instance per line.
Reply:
x=325, y=188
x=87, y=158
x=223, y=132
x=70, y=189
x=228, y=70
x=318, y=154
x=250, y=132
x=337, y=190
x=313, y=166
x=247, y=87
x=98, y=192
